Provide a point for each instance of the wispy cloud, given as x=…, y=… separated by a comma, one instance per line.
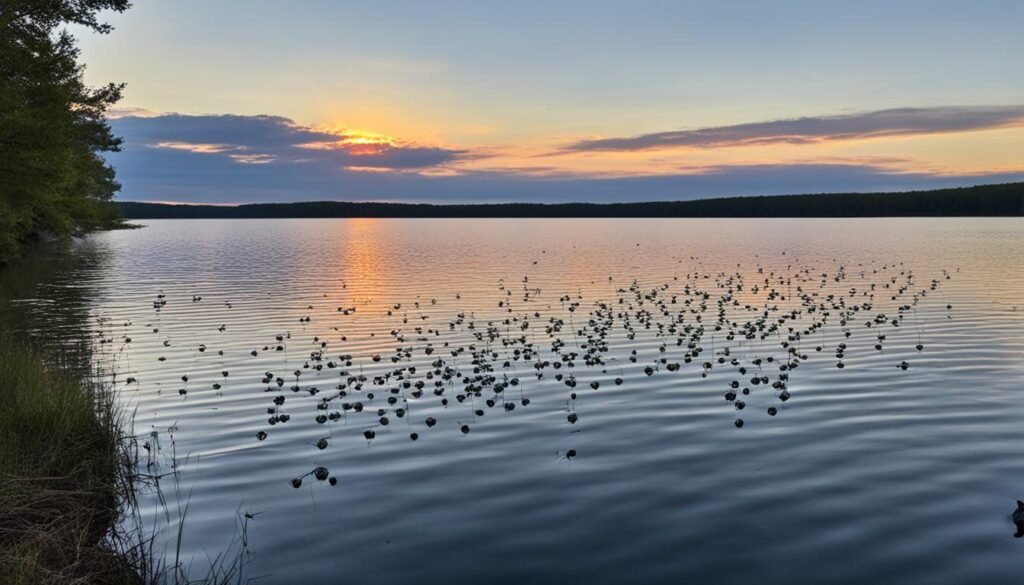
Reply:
x=876, y=124
x=125, y=112
x=201, y=148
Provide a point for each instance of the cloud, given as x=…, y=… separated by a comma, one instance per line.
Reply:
x=269, y=140
x=125, y=112
x=876, y=124
x=181, y=176
x=245, y=159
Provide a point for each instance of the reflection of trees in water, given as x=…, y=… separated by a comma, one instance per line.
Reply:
x=45, y=299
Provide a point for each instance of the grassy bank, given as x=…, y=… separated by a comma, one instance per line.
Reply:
x=63, y=469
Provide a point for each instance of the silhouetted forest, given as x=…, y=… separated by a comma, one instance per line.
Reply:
x=984, y=200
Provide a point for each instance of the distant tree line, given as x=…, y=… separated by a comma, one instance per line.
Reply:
x=54, y=180
x=984, y=200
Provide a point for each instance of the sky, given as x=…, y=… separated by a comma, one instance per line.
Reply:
x=560, y=100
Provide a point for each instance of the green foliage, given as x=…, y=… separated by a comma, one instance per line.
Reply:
x=59, y=440
x=53, y=131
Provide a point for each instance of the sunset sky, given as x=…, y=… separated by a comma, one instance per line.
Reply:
x=231, y=102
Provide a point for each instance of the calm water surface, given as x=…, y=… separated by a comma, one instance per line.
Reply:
x=869, y=473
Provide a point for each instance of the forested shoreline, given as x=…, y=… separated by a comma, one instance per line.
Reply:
x=65, y=473
x=983, y=200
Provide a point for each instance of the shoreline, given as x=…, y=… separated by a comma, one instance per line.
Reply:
x=1000, y=200
x=69, y=462
x=65, y=470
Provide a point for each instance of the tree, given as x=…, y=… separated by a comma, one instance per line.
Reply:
x=53, y=130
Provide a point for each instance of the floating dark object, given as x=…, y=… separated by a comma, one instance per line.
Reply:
x=739, y=423
x=261, y=435
x=708, y=303
x=333, y=481
x=297, y=482
x=321, y=444
x=321, y=473
x=570, y=454
x=369, y=434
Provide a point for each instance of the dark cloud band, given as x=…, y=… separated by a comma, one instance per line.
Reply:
x=244, y=159
x=270, y=140
x=880, y=123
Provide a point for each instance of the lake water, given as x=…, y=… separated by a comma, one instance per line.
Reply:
x=866, y=473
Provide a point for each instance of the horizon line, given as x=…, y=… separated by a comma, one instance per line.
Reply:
x=554, y=203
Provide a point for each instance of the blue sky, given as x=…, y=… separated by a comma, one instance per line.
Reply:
x=549, y=101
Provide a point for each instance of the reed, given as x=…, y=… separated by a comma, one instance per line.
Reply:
x=64, y=471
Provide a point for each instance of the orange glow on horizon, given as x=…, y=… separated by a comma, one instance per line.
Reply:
x=354, y=142
x=981, y=151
